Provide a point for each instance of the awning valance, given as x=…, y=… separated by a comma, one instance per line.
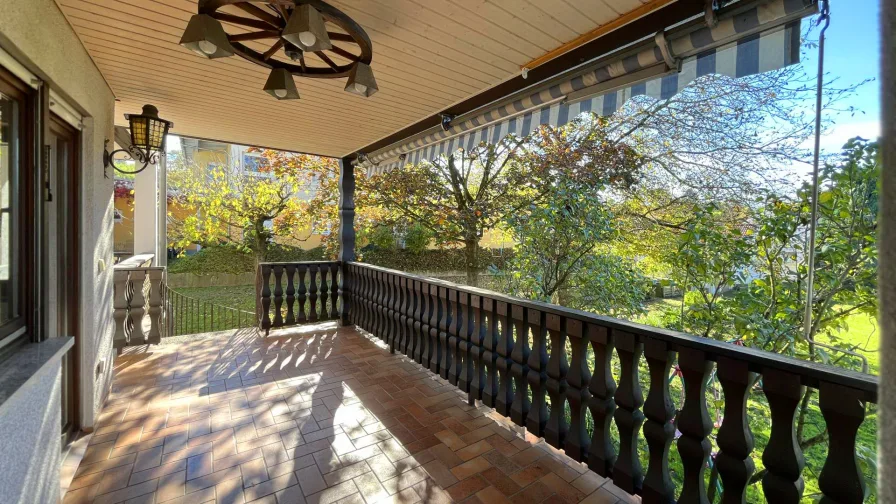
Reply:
x=748, y=39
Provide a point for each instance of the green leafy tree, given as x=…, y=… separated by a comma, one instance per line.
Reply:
x=709, y=260
x=767, y=310
x=460, y=196
x=246, y=210
x=557, y=259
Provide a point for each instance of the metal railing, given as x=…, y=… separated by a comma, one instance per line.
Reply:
x=190, y=315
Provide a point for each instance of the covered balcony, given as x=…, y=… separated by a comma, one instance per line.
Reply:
x=351, y=382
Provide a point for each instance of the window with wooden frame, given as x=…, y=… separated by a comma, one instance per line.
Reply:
x=17, y=254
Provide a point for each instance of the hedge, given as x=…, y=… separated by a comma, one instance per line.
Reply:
x=226, y=259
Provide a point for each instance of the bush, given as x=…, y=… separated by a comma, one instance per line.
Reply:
x=430, y=259
x=227, y=259
x=218, y=259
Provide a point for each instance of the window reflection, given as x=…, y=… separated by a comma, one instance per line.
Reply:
x=8, y=154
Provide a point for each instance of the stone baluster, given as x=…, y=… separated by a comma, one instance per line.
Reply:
x=156, y=288
x=445, y=355
x=578, y=379
x=312, y=292
x=841, y=480
x=290, y=294
x=120, y=308
x=734, y=439
x=302, y=268
x=334, y=291
x=465, y=327
x=658, y=429
x=454, y=327
x=694, y=424
x=627, y=473
x=477, y=371
x=519, y=370
x=557, y=369
x=435, y=315
x=537, y=418
x=782, y=455
x=277, y=270
x=504, y=363
x=489, y=354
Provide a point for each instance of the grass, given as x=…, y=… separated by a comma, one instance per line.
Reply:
x=239, y=296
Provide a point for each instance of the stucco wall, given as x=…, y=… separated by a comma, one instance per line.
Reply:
x=36, y=33
x=29, y=466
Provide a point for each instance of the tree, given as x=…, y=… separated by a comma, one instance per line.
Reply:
x=767, y=312
x=721, y=140
x=247, y=210
x=557, y=259
x=711, y=258
x=460, y=196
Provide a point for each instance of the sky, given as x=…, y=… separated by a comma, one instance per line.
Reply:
x=852, y=53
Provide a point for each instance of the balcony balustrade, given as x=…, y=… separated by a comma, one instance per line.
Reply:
x=530, y=362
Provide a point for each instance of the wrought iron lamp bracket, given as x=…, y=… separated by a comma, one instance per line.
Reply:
x=136, y=154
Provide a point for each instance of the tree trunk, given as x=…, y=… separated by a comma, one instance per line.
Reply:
x=471, y=261
x=261, y=244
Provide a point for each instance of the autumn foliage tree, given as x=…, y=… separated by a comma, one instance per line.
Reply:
x=462, y=195
x=247, y=210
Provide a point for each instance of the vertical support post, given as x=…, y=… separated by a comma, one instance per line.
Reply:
x=162, y=208
x=346, y=234
x=146, y=212
x=886, y=240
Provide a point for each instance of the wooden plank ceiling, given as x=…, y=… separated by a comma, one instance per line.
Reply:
x=427, y=55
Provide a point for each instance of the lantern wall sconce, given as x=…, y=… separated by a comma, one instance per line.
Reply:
x=148, y=133
x=311, y=39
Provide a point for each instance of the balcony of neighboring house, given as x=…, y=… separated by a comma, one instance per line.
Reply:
x=350, y=382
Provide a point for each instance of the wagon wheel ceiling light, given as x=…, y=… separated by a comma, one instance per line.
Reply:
x=305, y=34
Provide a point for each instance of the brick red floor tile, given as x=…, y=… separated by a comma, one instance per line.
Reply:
x=318, y=414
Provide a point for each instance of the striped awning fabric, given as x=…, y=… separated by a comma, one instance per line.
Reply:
x=759, y=39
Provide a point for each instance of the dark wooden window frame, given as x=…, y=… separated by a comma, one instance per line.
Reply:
x=72, y=279
x=25, y=195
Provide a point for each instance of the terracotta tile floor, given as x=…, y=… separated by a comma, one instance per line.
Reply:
x=318, y=415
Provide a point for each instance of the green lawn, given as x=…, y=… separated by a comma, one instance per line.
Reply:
x=240, y=296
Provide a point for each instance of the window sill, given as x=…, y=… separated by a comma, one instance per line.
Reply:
x=17, y=370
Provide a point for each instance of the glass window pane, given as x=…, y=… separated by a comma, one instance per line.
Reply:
x=9, y=142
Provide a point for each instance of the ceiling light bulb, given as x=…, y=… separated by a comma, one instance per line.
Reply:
x=360, y=88
x=281, y=93
x=207, y=47
x=307, y=38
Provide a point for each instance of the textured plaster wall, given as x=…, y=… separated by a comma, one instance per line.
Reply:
x=36, y=33
x=887, y=244
x=29, y=465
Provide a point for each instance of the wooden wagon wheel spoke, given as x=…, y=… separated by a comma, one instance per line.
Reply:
x=258, y=20
x=271, y=19
x=274, y=48
x=345, y=54
x=326, y=59
x=283, y=12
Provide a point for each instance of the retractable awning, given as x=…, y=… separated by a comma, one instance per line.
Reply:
x=748, y=38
